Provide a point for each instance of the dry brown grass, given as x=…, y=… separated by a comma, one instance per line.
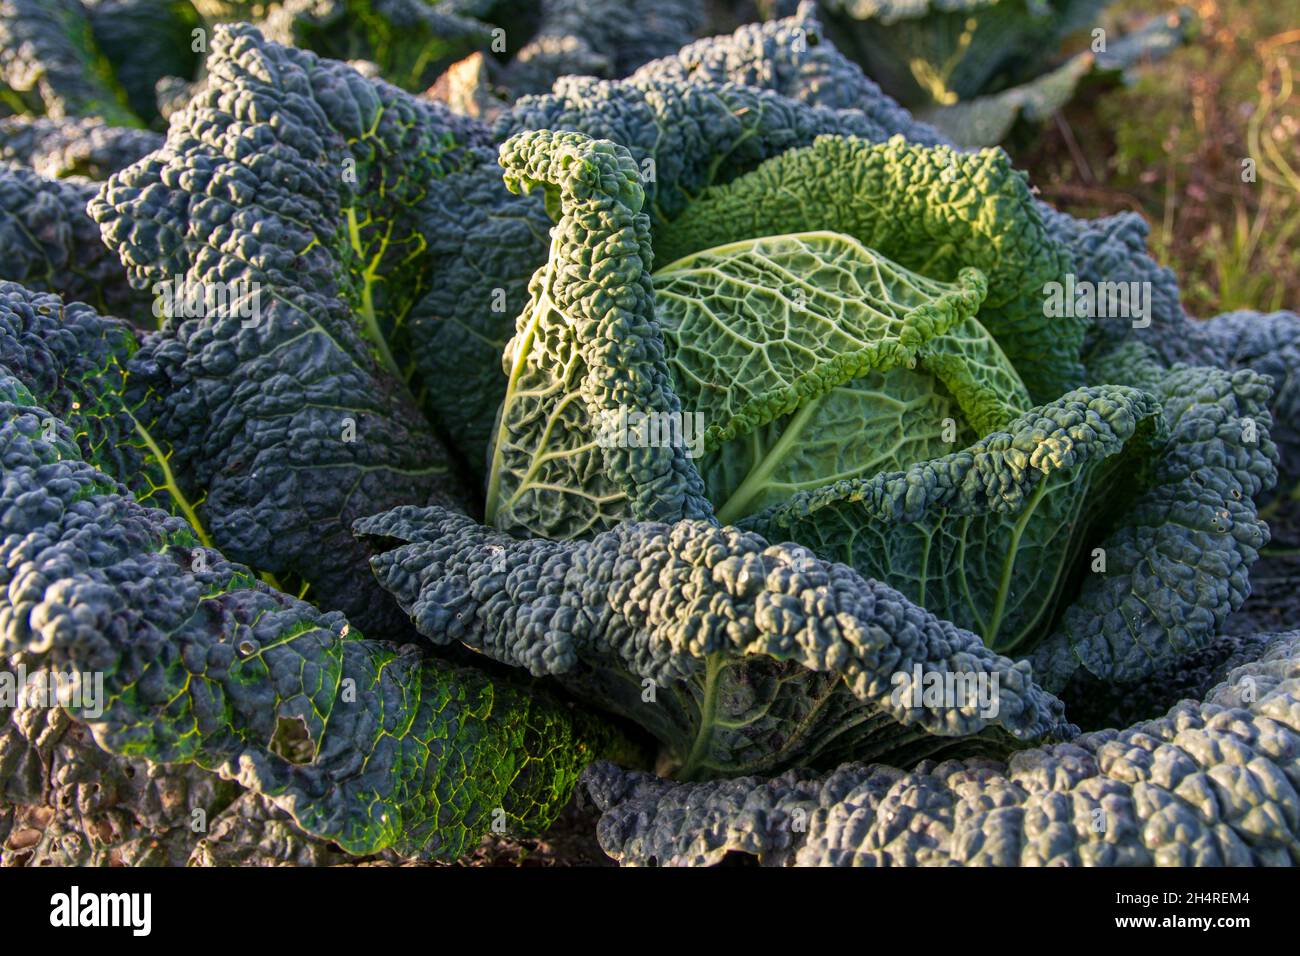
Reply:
x=1172, y=147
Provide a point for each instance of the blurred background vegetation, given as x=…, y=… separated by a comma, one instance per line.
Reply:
x=1181, y=145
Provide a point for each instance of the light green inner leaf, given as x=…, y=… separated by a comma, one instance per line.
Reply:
x=546, y=475
x=756, y=329
x=882, y=421
x=810, y=358
x=990, y=537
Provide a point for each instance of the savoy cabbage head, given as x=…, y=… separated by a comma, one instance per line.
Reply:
x=715, y=408
x=868, y=384
x=841, y=342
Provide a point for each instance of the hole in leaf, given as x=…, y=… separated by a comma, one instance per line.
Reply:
x=292, y=741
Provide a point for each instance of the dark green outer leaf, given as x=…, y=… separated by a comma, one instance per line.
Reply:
x=48, y=243
x=1213, y=783
x=485, y=243
x=77, y=364
x=362, y=742
x=756, y=656
x=303, y=180
x=793, y=57
x=1269, y=343
x=1178, y=557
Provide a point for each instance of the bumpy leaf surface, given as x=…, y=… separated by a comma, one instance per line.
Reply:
x=989, y=537
x=484, y=242
x=293, y=184
x=1030, y=536
x=573, y=364
x=586, y=346
x=48, y=242
x=1269, y=343
x=1212, y=783
x=487, y=243
x=1178, y=556
x=78, y=365
x=738, y=655
x=792, y=56
x=75, y=147
x=757, y=328
x=364, y=743
x=785, y=349
x=934, y=211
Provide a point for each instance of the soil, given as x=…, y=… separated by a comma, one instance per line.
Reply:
x=571, y=841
